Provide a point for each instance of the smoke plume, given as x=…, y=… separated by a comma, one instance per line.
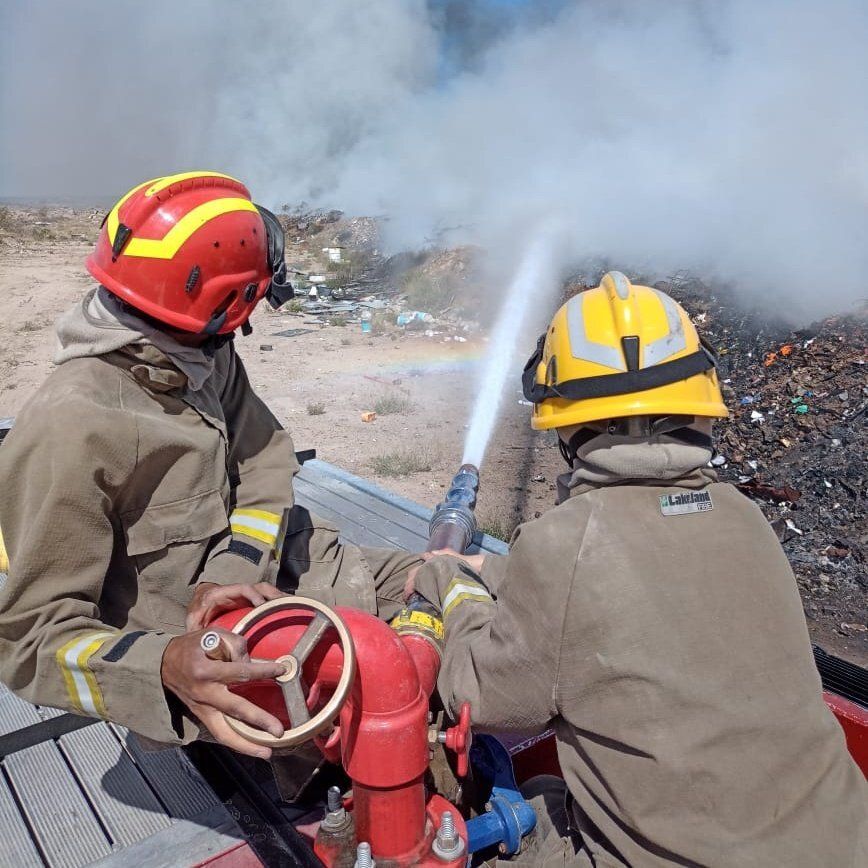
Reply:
x=727, y=137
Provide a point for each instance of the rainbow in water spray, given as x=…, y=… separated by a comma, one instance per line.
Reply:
x=529, y=288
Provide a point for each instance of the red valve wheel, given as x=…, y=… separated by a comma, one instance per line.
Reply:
x=459, y=739
x=304, y=727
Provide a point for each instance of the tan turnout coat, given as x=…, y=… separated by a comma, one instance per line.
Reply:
x=120, y=490
x=669, y=652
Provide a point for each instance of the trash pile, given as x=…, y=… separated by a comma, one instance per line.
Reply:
x=382, y=310
x=797, y=441
x=341, y=278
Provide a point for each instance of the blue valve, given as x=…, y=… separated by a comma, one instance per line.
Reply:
x=508, y=816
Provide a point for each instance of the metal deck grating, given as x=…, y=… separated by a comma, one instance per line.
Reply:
x=95, y=796
x=368, y=514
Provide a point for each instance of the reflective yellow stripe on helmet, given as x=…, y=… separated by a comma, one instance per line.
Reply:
x=167, y=246
x=160, y=184
x=112, y=220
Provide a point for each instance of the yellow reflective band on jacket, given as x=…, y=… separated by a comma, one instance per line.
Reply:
x=4, y=557
x=72, y=658
x=256, y=523
x=167, y=246
x=461, y=589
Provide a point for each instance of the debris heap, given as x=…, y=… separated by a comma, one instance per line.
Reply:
x=796, y=443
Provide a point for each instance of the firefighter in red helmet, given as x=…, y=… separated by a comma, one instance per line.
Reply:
x=146, y=487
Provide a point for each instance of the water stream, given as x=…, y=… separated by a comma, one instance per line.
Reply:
x=529, y=289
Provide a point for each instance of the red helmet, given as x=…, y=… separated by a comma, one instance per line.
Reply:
x=192, y=251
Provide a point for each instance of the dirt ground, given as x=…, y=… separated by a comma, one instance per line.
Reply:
x=319, y=383
x=334, y=371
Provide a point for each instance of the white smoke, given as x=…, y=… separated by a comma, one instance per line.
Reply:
x=723, y=136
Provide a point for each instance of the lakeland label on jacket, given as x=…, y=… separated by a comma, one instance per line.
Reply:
x=682, y=504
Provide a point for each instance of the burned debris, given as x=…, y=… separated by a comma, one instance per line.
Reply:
x=796, y=443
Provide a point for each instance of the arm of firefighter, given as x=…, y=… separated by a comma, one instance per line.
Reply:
x=261, y=464
x=502, y=647
x=56, y=513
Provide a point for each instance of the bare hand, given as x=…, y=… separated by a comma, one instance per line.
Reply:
x=473, y=561
x=210, y=600
x=202, y=685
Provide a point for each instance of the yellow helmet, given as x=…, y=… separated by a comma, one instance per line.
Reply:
x=620, y=350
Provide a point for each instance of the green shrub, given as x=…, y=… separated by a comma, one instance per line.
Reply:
x=390, y=405
x=430, y=294
x=402, y=462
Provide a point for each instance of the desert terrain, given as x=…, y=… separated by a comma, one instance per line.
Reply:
x=322, y=376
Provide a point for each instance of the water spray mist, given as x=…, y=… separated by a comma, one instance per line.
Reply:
x=527, y=291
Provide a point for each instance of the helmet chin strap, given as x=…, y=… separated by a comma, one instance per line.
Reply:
x=215, y=342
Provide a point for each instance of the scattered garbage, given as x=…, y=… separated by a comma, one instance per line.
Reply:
x=771, y=358
x=266, y=348
x=796, y=441
x=410, y=316
x=366, y=321
x=776, y=494
x=369, y=416
x=291, y=333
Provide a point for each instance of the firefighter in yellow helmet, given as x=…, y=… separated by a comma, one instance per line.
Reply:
x=651, y=619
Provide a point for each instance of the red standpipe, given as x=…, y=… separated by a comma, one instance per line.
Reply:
x=383, y=725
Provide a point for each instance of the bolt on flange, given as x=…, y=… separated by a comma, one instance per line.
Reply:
x=448, y=844
x=337, y=818
x=364, y=859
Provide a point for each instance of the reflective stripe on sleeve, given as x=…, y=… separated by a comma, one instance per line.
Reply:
x=81, y=685
x=256, y=523
x=459, y=590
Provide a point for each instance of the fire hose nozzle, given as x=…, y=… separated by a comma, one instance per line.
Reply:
x=453, y=524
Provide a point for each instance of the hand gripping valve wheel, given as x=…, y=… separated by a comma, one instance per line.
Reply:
x=360, y=689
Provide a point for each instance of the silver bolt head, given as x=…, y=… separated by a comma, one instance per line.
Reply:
x=448, y=854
